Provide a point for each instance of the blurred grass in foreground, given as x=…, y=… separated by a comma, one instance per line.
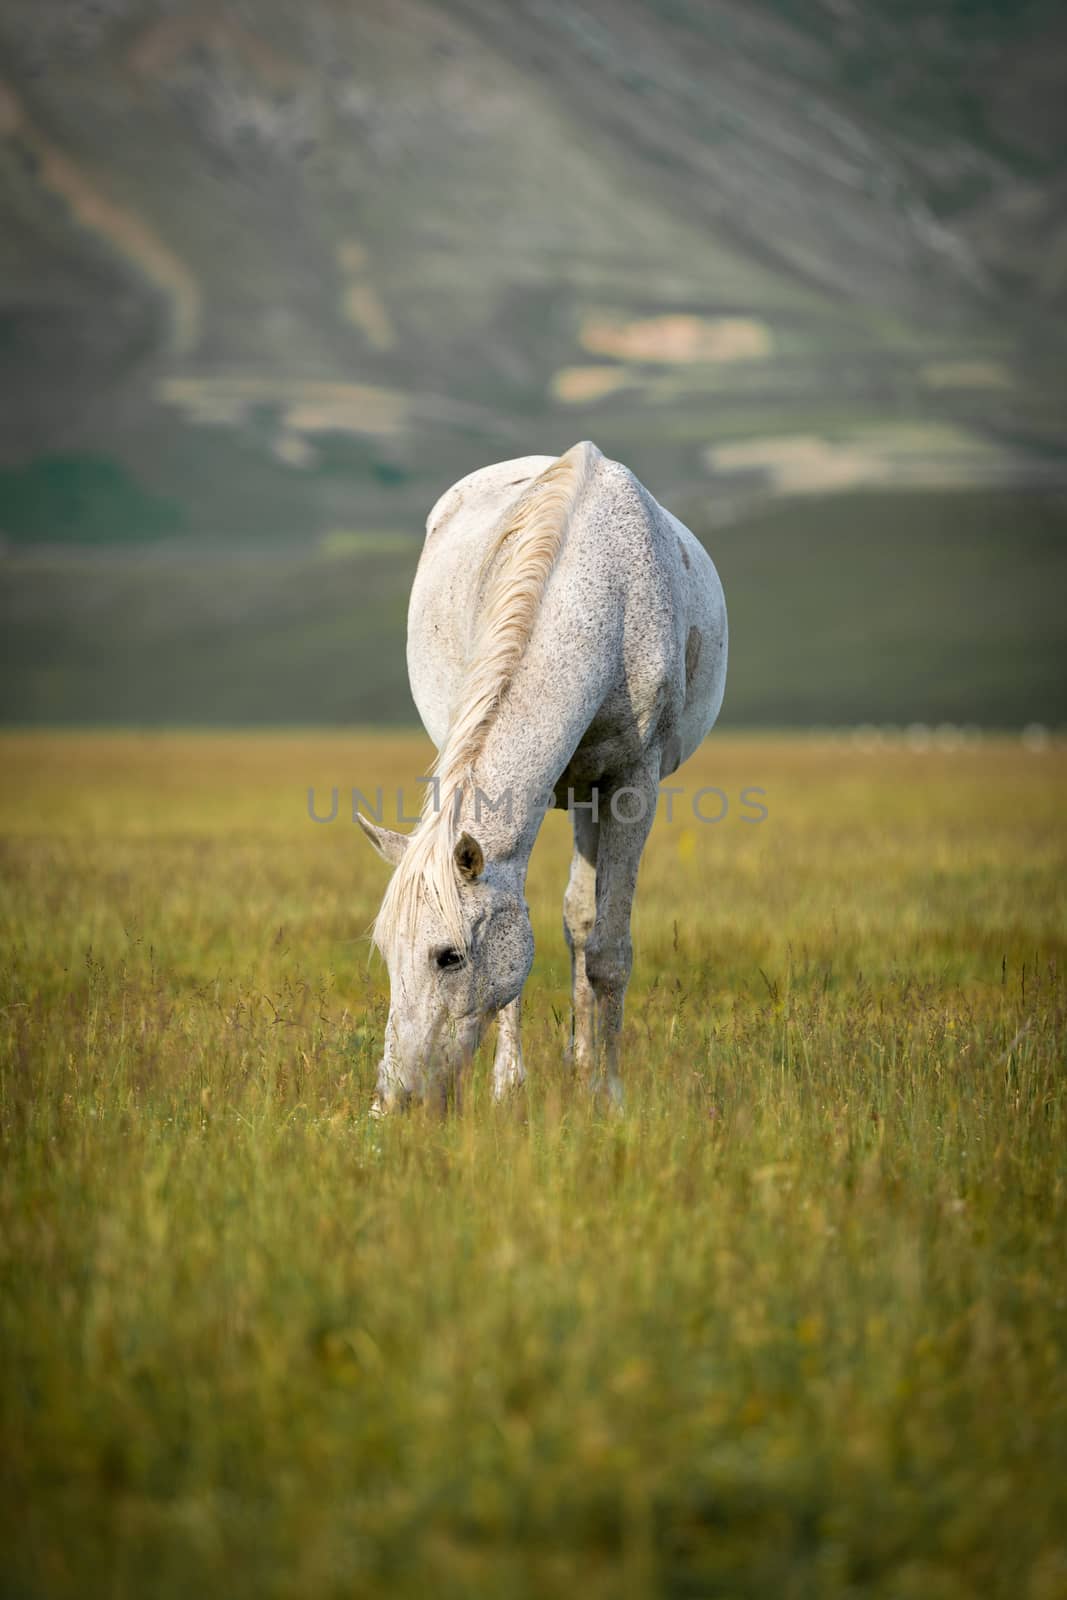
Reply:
x=795, y=1325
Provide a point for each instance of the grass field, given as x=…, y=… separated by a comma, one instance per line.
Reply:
x=795, y=1324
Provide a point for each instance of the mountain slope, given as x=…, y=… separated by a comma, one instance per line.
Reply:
x=295, y=269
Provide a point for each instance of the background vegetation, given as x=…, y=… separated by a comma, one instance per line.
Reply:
x=902, y=607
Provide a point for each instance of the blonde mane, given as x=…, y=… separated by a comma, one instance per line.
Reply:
x=512, y=580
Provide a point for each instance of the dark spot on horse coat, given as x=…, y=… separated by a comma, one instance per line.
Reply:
x=692, y=657
x=685, y=555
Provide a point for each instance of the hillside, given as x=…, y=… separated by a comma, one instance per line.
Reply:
x=269, y=271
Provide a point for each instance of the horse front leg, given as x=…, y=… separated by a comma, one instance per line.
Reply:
x=626, y=817
x=509, y=1070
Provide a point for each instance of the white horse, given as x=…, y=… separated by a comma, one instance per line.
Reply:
x=566, y=646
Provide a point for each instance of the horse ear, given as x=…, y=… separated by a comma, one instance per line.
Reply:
x=469, y=858
x=389, y=845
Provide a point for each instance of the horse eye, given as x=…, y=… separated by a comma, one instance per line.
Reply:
x=447, y=959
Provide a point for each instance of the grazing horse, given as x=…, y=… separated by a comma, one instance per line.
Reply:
x=567, y=647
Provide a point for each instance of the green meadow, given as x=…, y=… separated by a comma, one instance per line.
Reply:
x=794, y=1324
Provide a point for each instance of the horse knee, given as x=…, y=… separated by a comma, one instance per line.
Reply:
x=578, y=919
x=608, y=964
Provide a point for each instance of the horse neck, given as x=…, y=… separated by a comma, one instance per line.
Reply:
x=527, y=746
x=554, y=685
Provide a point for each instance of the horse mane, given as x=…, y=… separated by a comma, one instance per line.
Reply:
x=511, y=581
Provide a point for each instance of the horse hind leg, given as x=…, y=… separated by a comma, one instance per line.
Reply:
x=624, y=829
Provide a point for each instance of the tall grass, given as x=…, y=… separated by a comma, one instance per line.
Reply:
x=795, y=1324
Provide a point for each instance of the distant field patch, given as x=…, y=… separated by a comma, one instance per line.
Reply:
x=340, y=543
x=966, y=375
x=306, y=405
x=582, y=385
x=677, y=338
x=904, y=455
